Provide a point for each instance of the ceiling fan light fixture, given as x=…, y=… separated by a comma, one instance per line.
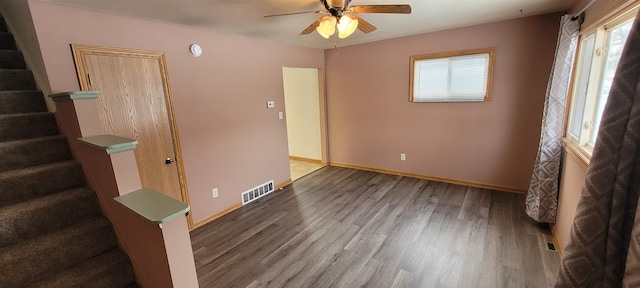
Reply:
x=327, y=26
x=346, y=26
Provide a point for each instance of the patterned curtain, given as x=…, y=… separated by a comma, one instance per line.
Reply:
x=604, y=248
x=542, y=198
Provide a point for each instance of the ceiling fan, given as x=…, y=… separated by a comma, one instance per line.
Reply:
x=344, y=17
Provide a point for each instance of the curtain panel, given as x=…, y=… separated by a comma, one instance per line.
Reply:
x=604, y=248
x=542, y=197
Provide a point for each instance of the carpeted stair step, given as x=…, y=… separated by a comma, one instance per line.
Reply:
x=24, y=184
x=7, y=41
x=27, y=125
x=51, y=234
x=111, y=269
x=21, y=154
x=27, y=101
x=16, y=79
x=11, y=59
x=42, y=215
x=43, y=257
x=3, y=25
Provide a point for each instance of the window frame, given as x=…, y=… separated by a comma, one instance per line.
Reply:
x=581, y=149
x=442, y=55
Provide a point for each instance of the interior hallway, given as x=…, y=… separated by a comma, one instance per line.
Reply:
x=301, y=168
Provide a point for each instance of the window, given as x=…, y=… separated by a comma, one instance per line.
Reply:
x=598, y=57
x=452, y=77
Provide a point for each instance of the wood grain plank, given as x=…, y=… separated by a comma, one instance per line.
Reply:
x=403, y=279
x=223, y=247
x=340, y=227
x=361, y=264
x=363, y=277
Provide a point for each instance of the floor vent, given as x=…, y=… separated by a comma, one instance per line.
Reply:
x=257, y=192
x=551, y=247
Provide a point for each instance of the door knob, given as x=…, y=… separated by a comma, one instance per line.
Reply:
x=168, y=161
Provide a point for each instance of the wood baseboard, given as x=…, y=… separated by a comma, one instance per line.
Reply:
x=231, y=208
x=559, y=246
x=426, y=177
x=215, y=216
x=282, y=184
x=307, y=160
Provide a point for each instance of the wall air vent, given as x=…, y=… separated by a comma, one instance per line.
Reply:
x=257, y=192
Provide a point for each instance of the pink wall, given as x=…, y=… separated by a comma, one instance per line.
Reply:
x=572, y=180
x=494, y=143
x=229, y=139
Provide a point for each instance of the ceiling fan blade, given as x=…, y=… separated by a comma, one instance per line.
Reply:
x=397, y=9
x=311, y=27
x=293, y=13
x=363, y=25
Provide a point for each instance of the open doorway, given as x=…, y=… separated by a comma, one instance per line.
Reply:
x=303, y=107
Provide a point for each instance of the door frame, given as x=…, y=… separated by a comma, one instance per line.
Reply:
x=79, y=53
x=289, y=99
x=322, y=106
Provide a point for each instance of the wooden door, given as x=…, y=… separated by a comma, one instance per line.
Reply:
x=135, y=103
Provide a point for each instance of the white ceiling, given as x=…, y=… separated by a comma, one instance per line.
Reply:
x=245, y=17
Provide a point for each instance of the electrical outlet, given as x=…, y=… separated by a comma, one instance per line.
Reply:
x=280, y=116
x=214, y=192
x=403, y=156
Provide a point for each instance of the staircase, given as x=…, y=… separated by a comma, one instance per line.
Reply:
x=52, y=233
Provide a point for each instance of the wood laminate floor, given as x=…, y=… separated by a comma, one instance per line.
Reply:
x=341, y=227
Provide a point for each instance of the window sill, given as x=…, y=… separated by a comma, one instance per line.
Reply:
x=581, y=157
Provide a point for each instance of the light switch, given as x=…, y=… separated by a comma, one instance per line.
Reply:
x=280, y=115
x=271, y=104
